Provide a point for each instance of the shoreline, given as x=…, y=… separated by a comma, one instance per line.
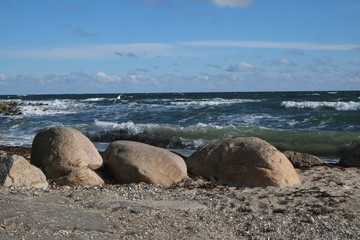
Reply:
x=26, y=150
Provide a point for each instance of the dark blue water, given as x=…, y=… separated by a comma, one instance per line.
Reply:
x=321, y=123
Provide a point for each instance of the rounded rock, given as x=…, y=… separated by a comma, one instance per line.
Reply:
x=246, y=161
x=61, y=151
x=133, y=162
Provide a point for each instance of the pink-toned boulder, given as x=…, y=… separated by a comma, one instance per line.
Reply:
x=133, y=162
x=245, y=161
x=67, y=156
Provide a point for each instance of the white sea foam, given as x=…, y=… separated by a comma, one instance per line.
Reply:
x=139, y=128
x=96, y=99
x=212, y=102
x=340, y=106
x=131, y=127
x=254, y=119
x=53, y=107
x=191, y=136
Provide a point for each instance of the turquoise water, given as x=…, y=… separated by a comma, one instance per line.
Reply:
x=321, y=123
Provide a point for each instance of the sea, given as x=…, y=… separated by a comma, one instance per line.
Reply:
x=325, y=123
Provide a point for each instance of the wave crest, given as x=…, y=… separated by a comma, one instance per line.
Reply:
x=339, y=106
x=212, y=102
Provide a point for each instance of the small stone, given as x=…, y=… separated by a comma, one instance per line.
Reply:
x=309, y=219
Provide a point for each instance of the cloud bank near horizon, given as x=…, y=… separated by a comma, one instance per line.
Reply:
x=152, y=50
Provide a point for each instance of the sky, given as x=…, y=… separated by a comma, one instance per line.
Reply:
x=129, y=46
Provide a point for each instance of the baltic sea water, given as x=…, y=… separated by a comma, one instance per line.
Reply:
x=321, y=123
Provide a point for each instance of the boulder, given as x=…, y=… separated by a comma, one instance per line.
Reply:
x=2, y=139
x=133, y=162
x=351, y=158
x=81, y=177
x=66, y=156
x=17, y=171
x=302, y=160
x=245, y=161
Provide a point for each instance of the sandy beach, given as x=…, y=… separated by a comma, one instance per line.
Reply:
x=324, y=206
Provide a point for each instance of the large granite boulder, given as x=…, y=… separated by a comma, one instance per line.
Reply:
x=351, y=158
x=302, y=160
x=133, y=162
x=243, y=161
x=66, y=156
x=17, y=171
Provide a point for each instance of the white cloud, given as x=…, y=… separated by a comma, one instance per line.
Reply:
x=135, y=78
x=322, y=60
x=241, y=67
x=281, y=45
x=3, y=77
x=357, y=50
x=129, y=55
x=72, y=9
x=102, y=51
x=157, y=3
x=153, y=50
x=296, y=52
x=204, y=77
x=232, y=3
x=284, y=61
x=103, y=77
x=317, y=69
x=354, y=79
x=82, y=33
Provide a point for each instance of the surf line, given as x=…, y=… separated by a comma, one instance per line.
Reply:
x=117, y=98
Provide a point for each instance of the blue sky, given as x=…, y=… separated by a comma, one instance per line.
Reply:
x=118, y=46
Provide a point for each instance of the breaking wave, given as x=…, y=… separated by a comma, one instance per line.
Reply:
x=339, y=106
x=211, y=102
x=191, y=137
x=55, y=107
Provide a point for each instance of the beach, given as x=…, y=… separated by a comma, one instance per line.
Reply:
x=324, y=206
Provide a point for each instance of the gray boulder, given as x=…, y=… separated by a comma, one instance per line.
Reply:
x=245, y=161
x=351, y=158
x=17, y=171
x=133, y=162
x=66, y=156
x=302, y=160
